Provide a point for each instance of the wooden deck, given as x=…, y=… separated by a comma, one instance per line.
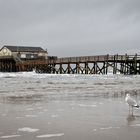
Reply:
x=123, y=64
x=100, y=58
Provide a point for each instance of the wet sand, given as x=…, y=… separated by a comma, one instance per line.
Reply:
x=85, y=119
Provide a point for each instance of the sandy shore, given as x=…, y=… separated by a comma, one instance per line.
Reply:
x=98, y=119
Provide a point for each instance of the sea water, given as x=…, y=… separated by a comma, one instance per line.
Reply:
x=68, y=107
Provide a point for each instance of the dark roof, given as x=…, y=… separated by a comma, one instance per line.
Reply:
x=24, y=49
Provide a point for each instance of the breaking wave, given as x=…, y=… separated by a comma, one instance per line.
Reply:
x=30, y=86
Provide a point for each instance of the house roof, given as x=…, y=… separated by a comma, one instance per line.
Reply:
x=24, y=49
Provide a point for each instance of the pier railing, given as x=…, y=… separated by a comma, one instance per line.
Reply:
x=126, y=64
x=99, y=58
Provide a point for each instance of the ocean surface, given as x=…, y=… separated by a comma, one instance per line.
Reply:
x=68, y=107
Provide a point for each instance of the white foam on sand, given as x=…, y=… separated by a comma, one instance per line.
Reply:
x=50, y=135
x=27, y=129
x=19, y=117
x=135, y=125
x=54, y=116
x=9, y=136
x=106, y=128
x=30, y=116
x=29, y=109
x=85, y=105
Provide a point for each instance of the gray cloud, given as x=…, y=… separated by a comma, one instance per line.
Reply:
x=72, y=27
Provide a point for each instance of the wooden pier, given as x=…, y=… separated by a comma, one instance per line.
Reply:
x=102, y=64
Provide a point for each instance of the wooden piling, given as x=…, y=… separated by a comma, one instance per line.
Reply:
x=123, y=64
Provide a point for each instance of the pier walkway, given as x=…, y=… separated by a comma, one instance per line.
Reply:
x=102, y=64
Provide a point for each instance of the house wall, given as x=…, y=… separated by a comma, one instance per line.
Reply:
x=43, y=54
x=14, y=54
x=28, y=55
x=5, y=52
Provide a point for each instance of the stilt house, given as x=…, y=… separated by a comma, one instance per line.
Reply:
x=23, y=52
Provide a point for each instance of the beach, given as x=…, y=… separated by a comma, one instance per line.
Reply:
x=68, y=107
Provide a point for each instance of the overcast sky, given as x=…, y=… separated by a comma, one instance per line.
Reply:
x=72, y=27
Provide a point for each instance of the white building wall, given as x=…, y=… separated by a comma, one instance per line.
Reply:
x=5, y=52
